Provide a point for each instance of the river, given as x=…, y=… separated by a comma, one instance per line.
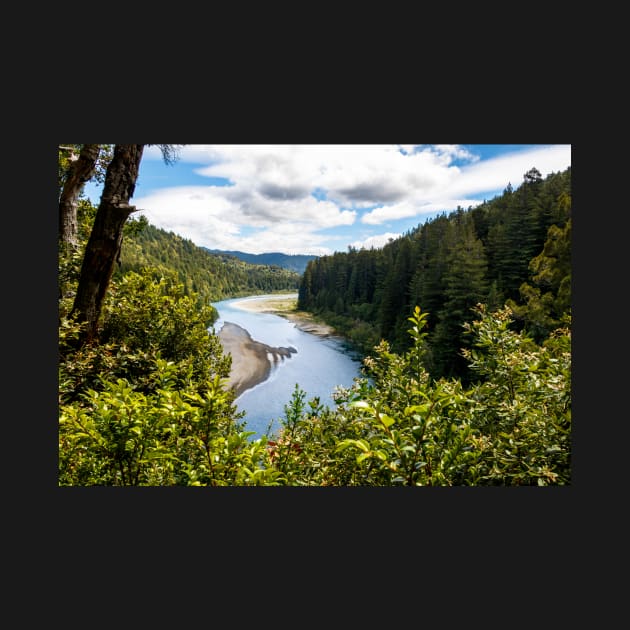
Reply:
x=317, y=367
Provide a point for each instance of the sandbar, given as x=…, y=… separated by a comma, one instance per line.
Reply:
x=286, y=306
x=251, y=359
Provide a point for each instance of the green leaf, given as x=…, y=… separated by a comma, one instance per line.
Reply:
x=416, y=409
x=360, y=444
x=386, y=420
x=342, y=446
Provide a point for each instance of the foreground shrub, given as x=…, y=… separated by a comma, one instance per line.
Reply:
x=120, y=436
x=396, y=426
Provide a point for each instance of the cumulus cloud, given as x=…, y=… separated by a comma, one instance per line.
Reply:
x=282, y=193
x=495, y=174
x=407, y=209
x=435, y=187
x=216, y=217
x=290, y=197
x=368, y=192
x=288, y=238
x=406, y=148
x=375, y=242
x=446, y=153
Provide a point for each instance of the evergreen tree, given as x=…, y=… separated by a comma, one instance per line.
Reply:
x=427, y=286
x=465, y=285
x=548, y=299
x=395, y=296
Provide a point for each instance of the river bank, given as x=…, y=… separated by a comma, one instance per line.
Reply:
x=286, y=306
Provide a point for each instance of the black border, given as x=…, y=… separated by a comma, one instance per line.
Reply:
x=415, y=527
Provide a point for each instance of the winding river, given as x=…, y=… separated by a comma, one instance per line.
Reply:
x=318, y=366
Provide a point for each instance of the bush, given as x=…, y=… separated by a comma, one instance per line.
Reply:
x=397, y=426
x=120, y=436
x=147, y=405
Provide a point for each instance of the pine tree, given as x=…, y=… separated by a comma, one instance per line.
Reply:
x=465, y=285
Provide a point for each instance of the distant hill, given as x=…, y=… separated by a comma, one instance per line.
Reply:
x=212, y=277
x=295, y=262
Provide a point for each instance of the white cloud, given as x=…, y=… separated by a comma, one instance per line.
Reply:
x=270, y=206
x=408, y=209
x=446, y=153
x=217, y=218
x=496, y=173
x=406, y=148
x=376, y=241
x=435, y=188
x=287, y=239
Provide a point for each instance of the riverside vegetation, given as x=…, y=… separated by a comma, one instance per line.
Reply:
x=146, y=402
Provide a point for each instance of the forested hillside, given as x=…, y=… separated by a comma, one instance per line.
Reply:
x=513, y=249
x=212, y=276
x=292, y=262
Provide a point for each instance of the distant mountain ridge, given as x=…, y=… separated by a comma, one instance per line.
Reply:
x=292, y=262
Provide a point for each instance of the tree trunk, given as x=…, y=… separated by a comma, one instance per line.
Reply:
x=80, y=172
x=103, y=246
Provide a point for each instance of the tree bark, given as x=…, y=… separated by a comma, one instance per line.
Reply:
x=80, y=172
x=103, y=246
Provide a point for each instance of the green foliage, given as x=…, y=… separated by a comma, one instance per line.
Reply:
x=145, y=318
x=414, y=432
x=212, y=277
x=396, y=430
x=120, y=436
x=523, y=406
x=394, y=426
x=151, y=309
x=548, y=298
x=464, y=282
x=146, y=404
x=305, y=451
x=397, y=426
x=514, y=247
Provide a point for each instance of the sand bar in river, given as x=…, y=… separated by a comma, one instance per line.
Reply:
x=286, y=306
x=251, y=359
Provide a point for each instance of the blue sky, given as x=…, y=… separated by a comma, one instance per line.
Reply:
x=318, y=199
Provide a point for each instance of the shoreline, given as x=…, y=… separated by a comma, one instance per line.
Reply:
x=285, y=306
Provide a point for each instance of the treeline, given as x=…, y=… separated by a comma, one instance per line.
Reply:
x=294, y=262
x=514, y=250
x=212, y=276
